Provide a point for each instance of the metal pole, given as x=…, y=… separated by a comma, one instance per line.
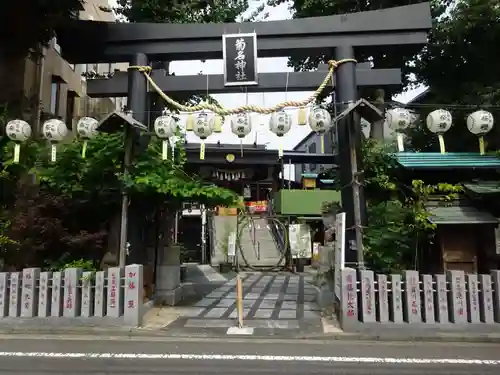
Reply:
x=346, y=93
x=136, y=103
x=239, y=300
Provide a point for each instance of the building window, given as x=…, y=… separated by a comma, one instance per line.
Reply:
x=312, y=150
x=54, y=97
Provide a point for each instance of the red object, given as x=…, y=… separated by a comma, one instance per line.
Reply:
x=257, y=206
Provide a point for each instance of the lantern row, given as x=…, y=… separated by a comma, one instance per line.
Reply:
x=53, y=130
x=439, y=122
x=202, y=124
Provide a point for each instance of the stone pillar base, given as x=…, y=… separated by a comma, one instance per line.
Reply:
x=168, y=285
x=169, y=297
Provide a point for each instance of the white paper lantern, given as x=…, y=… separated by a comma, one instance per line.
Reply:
x=439, y=121
x=398, y=119
x=54, y=130
x=165, y=126
x=280, y=123
x=18, y=130
x=87, y=127
x=241, y=124
x=480, y=122
x=320, y=120
x=202, y=126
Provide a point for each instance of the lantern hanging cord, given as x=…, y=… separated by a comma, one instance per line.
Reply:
x=333, y=64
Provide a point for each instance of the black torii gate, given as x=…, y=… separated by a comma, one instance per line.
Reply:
x=142, y=43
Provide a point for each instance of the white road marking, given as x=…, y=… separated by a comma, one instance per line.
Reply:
x=240, y=331
x=232, y=357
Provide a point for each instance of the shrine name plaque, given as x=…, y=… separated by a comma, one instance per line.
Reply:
x=240, y=59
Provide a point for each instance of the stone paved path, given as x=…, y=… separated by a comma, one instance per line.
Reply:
x=273, y=304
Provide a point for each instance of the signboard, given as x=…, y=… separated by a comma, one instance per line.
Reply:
x=239, y=52
x=191, y=209
x=299, y=238
x=339, y=250
x=231, y=244
x=257, y=206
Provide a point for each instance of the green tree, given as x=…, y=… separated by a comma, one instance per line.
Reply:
x=398, y=229
x=69, y=213
x=100, y=175
x=381, y=57
x=456, y=63
x=188, y=11
x=457, y=67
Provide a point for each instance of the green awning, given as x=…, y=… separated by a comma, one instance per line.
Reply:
x=483, y=187
x=442, y=215
x=449, y=160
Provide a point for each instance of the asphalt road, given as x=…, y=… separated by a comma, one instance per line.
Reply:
x=94, y=355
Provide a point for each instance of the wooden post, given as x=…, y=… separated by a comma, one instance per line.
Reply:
x=239, y=300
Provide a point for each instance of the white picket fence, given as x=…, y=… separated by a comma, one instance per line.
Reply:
x=72, y=293
x=451, y=298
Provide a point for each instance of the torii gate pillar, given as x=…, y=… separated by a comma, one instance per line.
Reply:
x=349, y=148
x=137, y=102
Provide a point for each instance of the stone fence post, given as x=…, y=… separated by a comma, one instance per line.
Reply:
x=349, y=298
x=412, y=306
x=134, y=295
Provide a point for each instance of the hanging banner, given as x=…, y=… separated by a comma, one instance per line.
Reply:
x=239, y=52
x=339, y=250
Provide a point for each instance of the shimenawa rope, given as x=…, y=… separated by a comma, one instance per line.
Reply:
x=333, y=64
